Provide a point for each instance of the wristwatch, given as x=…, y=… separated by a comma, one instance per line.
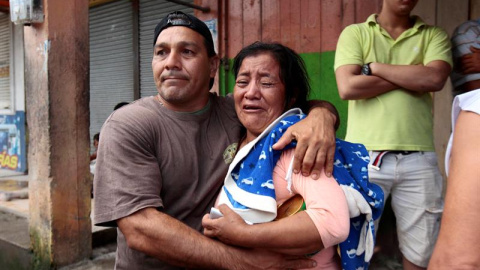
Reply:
x=366, y=69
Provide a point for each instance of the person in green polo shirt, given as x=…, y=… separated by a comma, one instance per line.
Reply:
x=387, y=68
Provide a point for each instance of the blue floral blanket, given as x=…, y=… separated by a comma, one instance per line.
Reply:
x=249, y=189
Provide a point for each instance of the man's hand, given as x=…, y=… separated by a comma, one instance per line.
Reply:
x=315, y=136
x=229, y=229
x=470, y=63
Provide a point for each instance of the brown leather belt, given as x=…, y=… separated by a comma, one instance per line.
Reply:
x=378, y=159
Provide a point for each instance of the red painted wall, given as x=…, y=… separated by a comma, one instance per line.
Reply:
x=304, y=25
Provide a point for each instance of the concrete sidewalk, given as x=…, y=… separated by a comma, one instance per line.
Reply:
x=15, y=252
x=14, y=193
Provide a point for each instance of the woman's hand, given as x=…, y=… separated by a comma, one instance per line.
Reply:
x=230, y=229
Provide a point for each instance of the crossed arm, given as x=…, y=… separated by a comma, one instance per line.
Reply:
x=167, y=239
x=353, y=85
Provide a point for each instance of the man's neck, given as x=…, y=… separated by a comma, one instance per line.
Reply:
x=394, y=24
x=198, y=107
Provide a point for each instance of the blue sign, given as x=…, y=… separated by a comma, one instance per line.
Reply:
x=12, y=142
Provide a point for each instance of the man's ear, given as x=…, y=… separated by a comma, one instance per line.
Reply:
x=214, y=64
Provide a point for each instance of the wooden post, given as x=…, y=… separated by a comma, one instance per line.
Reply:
x=57, y=97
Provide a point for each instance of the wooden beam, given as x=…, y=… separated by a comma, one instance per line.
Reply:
x=474, y=9
x=57, y=101
x=92, y=3
x=451, y=14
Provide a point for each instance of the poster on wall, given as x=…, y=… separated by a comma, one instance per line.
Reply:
x=12, y=142
x=212, y=26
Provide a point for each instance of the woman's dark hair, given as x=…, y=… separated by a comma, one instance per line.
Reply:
x=292, y=71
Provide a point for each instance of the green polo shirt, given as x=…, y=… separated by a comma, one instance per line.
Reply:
x=399, y=119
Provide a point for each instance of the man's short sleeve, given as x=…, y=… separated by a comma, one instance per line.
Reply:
x=127, y=176
x=439, y=47
x=349, y=48
x=465, y=36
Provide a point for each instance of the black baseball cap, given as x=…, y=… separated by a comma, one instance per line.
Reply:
x=178, y=18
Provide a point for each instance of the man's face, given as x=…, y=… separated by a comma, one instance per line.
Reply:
x=182, y=69
x=400, y=7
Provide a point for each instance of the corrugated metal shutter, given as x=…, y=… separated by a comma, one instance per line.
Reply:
x=5, y=98
x=150, y=14
x=111, y=59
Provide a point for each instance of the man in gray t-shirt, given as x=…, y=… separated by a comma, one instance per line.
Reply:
x=162, y=159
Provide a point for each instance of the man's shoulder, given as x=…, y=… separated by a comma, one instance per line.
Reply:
x=428, y=28
x=223, y=103
x=471, y=25
x=466, y=33
x=143, y=108
x=358, y=31
x=356, y=27
x=435, y=28
x=136, y=117
x=227, y=99
x=224, y=109
x=370, y=21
